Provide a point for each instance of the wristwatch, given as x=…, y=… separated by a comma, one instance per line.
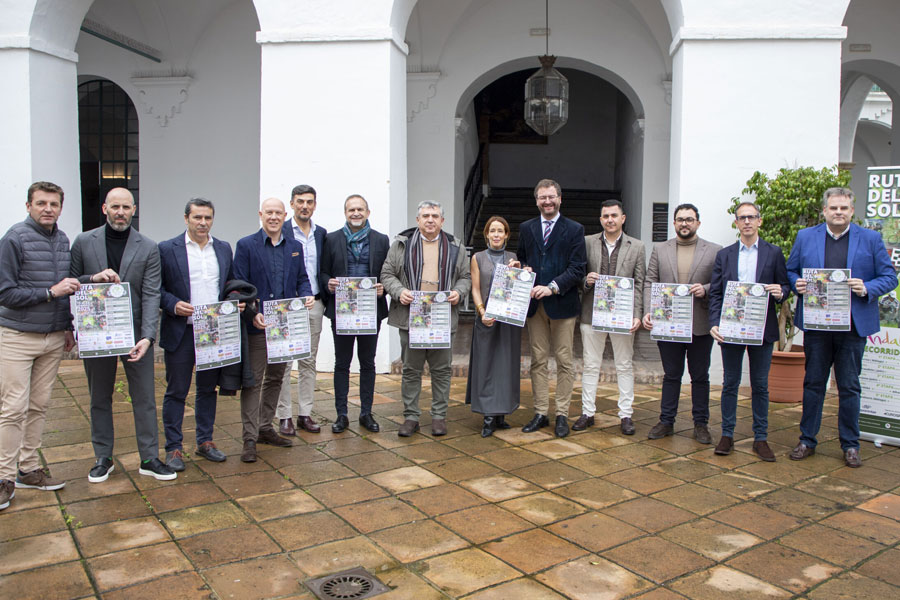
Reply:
x=553, y=287
x=50, y=296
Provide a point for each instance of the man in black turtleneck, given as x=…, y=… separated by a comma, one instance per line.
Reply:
x=115, y=253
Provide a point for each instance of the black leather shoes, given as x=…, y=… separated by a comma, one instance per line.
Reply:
x=340, y=424
x=627, y=426
x=660, y=430
x=536, y=423
x=369, y=422
x=583, y=423
x=489, y=426
x=268, y=436
x=562, y=426
x=101, y=470
x=500, y=422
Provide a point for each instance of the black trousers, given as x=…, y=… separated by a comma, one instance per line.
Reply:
x=366, y=345
x=673, y=355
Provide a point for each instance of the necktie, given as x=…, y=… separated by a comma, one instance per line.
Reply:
x=547, y=225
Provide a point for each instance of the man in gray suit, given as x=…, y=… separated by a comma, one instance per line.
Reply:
x=610, y=253
x=686, y=259
x=116, y=253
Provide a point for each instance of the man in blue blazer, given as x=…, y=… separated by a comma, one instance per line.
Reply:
x=195, y=267
x=749, y=260
x=274, y=264
x=312, y=238
x=839, y=244
x=553, y=246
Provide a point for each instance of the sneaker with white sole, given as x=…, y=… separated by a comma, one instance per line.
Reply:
x=101, y=470
x=7, y=492
x=39, y=479
x=157, y=469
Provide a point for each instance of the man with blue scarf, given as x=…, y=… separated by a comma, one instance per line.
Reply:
x=356, y=250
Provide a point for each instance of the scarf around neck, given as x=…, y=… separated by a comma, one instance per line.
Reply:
x=354, y=239
x=413, y=261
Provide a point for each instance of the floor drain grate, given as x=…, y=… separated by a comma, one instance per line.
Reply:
x=353, y=584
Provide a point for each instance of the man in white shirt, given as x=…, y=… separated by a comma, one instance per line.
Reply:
x=194, y=268
x=312, y=238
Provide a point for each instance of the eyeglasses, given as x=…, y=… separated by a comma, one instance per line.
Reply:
x=542, y=198
x=746, y=218
x=685, y=221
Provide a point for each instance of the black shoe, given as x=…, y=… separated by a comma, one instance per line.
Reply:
x=583, y=423
x=101, y=470
x=369, y=422
x=340, y=424
x=156, y=469
x=500, y=422
x=562, y=426
x=248, y=454
x=209, y=451
x=701, y=433
x=489, y=426
x=536, y=423
x=660, y=430
x=268, y=436
x=627, y=426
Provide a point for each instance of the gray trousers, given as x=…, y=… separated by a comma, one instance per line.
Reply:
x=440, y=364
x=101, y=376
x=258, y=403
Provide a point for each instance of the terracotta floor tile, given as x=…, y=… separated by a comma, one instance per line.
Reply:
x=441, y=499
x=800, y=504
x=341, y=555
x=35, y=521
x=758, y=519
x=695, y=498
x=378, y=514
x=407, y=586
x=601, y=440
x=117, y=570
x=465, y=571
x=737, y=485
x=598, y=464
x=558, y=449
x=428, y=452
x=200, y=519
x=722, y=582
x=512, y=458
x=883, y=567
x=279, y=504
x=306, y=530
x=839, y=490
x=346, y=491
x=298, y=454
x=643, y=480
x=518, y=588
x=111, y=508
x=595, y=531
x=267, y=577
x=482, y=523
x=496, y=488
x=183, y=496
x=649, y=514
x=543, y=508
x=316, y=472
x=857, y=587
x=406, y=479
x=871, y=477
x=782, y=472
x=120, y=535
x=54, y=582
x=348, y=447
x=660, y=593
x=475, y=444
x=550, y=475
x=415, y=541
x=687, y=468
x=533, y=550
x=36, y=551
x=593, y=577
x=639, y=454
x=886, y=505
x=374, y=462
x=595, y=493
x=838, y=547
x=645, y=557
x=457, y=469
x=228, y=545
x=253, y=484
x=784, y=567
x=517, y=437
x=186, y=586
x=711, y=539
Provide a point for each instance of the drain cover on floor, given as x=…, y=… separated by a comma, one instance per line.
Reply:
x=353, y=584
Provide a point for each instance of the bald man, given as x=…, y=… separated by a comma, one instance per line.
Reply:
x=274, y=264
x=113, y=253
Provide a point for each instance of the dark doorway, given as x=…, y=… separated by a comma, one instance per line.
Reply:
x=108, y=138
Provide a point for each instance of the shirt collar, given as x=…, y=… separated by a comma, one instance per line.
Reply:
x=615, y=241
x=838, y=236
x=189, y=242
x=551, y=221
x=296, y=227
x=753, y=246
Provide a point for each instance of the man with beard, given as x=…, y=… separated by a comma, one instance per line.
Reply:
x=689, y=260
x=115, y=253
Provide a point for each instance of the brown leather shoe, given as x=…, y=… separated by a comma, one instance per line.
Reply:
x=438, y=427
x=308, y=424
x=725, y=445
x=286, y=427
x=268, y=436
x=763, y=451
x=851, y=458
x=801, y=451
x=408, y=428
x=248, y=455
x=701, y=433
x=660, y=430
x=627, y=426
x=583, y=423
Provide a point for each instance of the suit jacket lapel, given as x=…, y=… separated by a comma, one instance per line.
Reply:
x=761, y=257
x=131, y=248
x=699, y=251
x=555, y=233
x=99, y=245
x=624, y=249
x=181, y=259
x=672, y=258
x=223, y=265
x=852, y=243
x=821, y=232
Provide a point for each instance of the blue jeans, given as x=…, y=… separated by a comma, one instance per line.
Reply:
x=732, y=364
x=179, y=370
x=844, y=350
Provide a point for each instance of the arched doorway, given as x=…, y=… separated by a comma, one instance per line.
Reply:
x=108, y=140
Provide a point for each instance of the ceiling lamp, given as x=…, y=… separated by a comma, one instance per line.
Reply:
x=547, y=92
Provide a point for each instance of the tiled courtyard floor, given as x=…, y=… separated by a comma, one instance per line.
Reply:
x=516, y=516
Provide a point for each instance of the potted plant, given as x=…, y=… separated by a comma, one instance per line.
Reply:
x=787, y=203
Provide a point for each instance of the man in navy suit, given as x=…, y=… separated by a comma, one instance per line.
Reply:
x=195, y=267
x=839, y=244
x=354, y=251
x=274, y=264
x=312, y=238
x=553, y=246
x=749, y=260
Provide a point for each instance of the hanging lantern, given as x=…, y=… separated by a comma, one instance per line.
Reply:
x=547, y=98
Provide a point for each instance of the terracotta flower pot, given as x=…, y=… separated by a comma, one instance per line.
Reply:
x=786, y=375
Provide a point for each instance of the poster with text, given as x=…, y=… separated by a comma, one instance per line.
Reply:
x=217, y=335
x=510, y=295
x=744, y=308
x=103, y=320
x=613, y=308
x=429, y=320
x=287, y=330
x=672, y=312
x=879, y=418
x=356, y=306
x=826, y=303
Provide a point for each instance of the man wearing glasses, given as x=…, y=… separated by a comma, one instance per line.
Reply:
x=749, y=260
x=685, y=259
